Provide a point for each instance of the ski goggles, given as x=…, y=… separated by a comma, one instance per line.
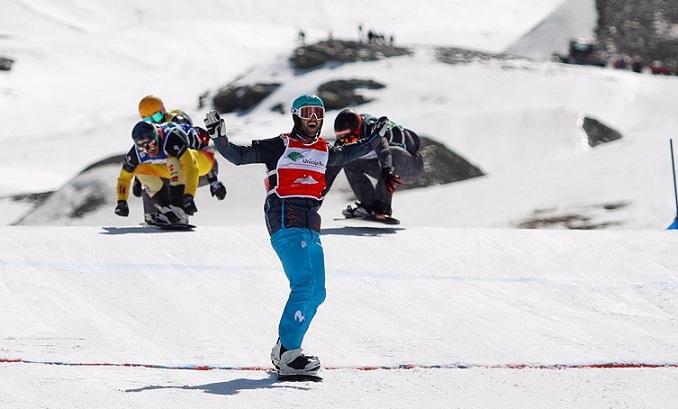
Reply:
x=307, y=112
x=155, y=118
x=345, y=133
x=146, y=145
x=347, y=138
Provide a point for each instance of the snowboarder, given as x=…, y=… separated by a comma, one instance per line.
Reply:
x=296, y=163
x=395, y=159
x=152, y=109
x=169, y=170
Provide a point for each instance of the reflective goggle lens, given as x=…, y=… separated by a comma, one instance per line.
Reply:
x=155, y=118
x=307, y=112
x=349, y=138
x=343, y=133
x=145, y=145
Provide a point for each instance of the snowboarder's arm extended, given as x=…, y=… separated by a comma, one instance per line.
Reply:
x=263, y=151
x=260, y=151
x=236, y=154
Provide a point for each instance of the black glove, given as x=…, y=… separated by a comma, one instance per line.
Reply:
x=136, y=188
x=218, y=189
x=391, y=180
x=122, y=209
x=216, y=127
x=188, y=205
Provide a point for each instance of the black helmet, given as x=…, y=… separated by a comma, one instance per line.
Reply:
x=144, y=132
x=179, y=117
x=347, y=122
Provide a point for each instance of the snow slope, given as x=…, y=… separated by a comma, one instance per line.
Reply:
x=119, y=316
x=448, y=299
x=572, y=19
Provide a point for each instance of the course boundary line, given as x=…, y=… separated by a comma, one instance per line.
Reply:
x=195, y=367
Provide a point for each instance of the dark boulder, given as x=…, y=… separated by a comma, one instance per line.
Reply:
x=241, y=98
x=455, y=55
x=341, y=93
x=599, y=133
x=279, y=108
x=339, y=51
x=6, y=63
x=442, y=165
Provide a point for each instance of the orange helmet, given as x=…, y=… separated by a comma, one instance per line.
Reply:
x=149, y=105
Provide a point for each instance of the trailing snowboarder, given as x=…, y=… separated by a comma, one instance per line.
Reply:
x=396, y=159
x=152, y=109
x=296, y=164
x=168, y=169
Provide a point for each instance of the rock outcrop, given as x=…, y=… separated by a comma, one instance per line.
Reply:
x=340, y=51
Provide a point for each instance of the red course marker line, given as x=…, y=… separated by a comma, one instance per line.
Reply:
x=603, y=365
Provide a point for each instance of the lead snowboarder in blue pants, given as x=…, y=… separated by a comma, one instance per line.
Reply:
x=296, y=164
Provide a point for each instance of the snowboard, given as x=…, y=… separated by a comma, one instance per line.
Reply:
x=172, y=227
x=175, y=227
x=387, y=220
x=299, y=378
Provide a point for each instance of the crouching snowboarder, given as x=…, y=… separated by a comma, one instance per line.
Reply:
x=396, y=159
x=168, y=169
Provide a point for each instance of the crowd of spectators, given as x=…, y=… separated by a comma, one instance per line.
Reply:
x=635, y=64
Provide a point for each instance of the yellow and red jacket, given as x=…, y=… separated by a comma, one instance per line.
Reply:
x=174, y=143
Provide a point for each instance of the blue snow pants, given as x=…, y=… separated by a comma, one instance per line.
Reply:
x=301, y=254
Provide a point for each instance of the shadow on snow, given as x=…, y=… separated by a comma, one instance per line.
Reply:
x=136, y=230
x=231, y=387
x=360, y=231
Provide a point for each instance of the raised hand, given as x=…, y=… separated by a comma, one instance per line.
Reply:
x=216, y=126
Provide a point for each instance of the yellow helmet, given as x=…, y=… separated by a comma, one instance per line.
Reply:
x=149, y=105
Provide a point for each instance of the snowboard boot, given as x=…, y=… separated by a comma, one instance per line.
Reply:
x=148, y=218
x=275, y=354
x=168, y=215
x=358, y=210
x=293, y=362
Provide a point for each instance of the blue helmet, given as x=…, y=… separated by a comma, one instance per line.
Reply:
x=306, y=100
x=303, y=101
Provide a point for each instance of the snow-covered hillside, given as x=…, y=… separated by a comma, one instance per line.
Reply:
x=81, y=68
x=517, y=120
x=522, y=127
